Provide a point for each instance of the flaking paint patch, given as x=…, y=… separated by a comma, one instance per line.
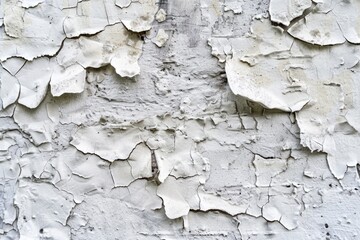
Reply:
x=256, y=68
x=285, y=12
x=298, y=63
x=329, y=23
x=161, y=38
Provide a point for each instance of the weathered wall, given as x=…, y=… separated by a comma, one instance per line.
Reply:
x=204, y=119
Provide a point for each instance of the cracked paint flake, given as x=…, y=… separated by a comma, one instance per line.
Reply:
x=55, y=207
x=9, y=88
x=257, y=69
x=136, y=166
x=329, y=23
x=160, y=15
x=114, y=45
x=105, y=141
x=285, y=11
x=68, y=80
x=233, y=5
x=123, y=3
x=32, y=31
x=33, y=92
x=37, y=124
x=161, y=38
x=30, y=3
x=266, y=169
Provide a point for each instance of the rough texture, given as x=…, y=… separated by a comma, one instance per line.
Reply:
x=146, y=119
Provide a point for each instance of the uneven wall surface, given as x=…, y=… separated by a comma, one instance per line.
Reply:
x=202, y=119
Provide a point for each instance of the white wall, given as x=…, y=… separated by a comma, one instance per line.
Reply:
x=232, y=119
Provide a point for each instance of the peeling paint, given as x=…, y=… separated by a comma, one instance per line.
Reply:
x=151, y=119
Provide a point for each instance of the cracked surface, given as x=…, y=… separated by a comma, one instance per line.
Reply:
x=149, y=119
